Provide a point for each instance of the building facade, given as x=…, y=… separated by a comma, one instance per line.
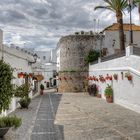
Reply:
x=111, y=44
x=47, y=67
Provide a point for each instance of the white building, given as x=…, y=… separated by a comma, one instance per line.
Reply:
x=111, y=44
x=58, y=59
x=48, y=65
x=20, y=60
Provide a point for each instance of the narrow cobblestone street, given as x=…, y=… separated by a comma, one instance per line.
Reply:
x=75, y=116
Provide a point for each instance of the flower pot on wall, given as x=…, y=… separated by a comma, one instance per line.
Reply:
x=115, y=76
x=129, y=78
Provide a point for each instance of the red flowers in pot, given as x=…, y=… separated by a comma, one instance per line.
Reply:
x=21, y=74
x=108, y=77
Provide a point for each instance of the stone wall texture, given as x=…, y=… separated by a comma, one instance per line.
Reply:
x=73, y=49
x=72, y=82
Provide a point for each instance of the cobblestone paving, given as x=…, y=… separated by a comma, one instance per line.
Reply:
x=76, y=116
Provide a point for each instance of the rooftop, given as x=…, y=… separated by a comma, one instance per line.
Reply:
x=126, y=26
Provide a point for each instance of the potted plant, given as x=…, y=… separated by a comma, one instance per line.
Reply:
x=7, y=122
x=107, y=77
x=98, y=95
x=41, y=89
x=23, y=93
x=115, y=76
x=6, y=94
x=109, y=94
x=128, y=76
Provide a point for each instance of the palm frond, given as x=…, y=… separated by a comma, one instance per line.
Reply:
x=100, y=7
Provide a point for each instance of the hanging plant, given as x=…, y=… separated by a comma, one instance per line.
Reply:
x=128, y=76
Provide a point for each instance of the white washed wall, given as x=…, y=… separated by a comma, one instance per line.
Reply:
x=19, y=61
x=126, y=93
x=114, y=35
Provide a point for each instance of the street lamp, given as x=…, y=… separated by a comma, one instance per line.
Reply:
x=35, y=58
x=130, y=2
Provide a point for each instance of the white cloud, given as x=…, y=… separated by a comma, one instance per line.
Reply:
x=40, y=23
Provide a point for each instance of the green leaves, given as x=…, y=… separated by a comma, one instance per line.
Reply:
x=92, y=56
x=10, y=122
x=22, y=91
x=6, y=75
x=108, y=91
x=114, y=5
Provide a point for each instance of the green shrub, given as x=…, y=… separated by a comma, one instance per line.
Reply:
x=10, y=122
x=42, y=87
x=92, y=56
x=108, y=91
x=6, y=88
x=24, y=102
x=22, y=91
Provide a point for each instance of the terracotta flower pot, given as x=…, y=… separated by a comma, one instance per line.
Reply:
x=109, y=99
x=98, y=95
x=129, y=78
x=110, y=78
x=41, y=92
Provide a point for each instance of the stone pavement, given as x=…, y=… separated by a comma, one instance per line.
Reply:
x=75, y=116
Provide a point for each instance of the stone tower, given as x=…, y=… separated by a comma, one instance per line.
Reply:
x=73, y=71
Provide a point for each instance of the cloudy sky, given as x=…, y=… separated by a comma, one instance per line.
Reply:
x=39, y=24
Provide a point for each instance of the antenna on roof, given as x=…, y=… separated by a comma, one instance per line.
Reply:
x=94, y=22
x=98, y=26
